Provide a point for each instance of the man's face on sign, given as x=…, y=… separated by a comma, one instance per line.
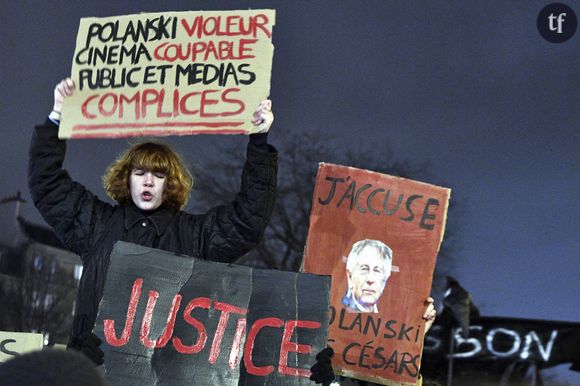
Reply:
x=147, y=188
x=369, y=276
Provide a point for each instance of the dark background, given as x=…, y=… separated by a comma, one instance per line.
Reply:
x=469, y=89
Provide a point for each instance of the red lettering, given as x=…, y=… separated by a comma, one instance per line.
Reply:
x=225, y=308
x=239, y=102
x=249, y=347
x=261, y=21
x=123, y=99
x=195, y=26
x=231, y=23
x=183, y=104
x=109, y=325
x=236, y=345
x=114, y=106
x=149, y=97
x=156, y=54
x=196, y=48
x=169, y=324
x=289, y=346
x=244, y=43
x=202, y=334
x=160, y=112
x=84, y=109
x=206, y=101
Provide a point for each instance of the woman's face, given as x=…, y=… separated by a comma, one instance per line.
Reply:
x=147, y=188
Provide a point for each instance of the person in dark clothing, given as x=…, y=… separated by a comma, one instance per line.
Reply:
x=50, y=367
x=151, y=186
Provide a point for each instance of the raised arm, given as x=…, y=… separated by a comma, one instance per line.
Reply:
x=229, y=231
x=63, y=203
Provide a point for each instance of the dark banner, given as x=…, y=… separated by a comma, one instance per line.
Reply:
x=175, y=320
x=495, y=345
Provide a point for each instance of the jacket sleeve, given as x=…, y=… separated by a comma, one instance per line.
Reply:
x=229, y=231
x=67, y=206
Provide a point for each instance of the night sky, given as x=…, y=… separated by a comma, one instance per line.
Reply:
x=471, y=90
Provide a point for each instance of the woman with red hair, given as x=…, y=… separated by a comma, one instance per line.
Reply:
x=150, y=186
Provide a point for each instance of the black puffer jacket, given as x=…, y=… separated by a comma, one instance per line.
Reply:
x=89, y=227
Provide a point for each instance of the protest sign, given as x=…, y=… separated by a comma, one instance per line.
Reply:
x=13, y=344
x=171, y=73
x=378, y=236
x=177, y=320
x=494, y=344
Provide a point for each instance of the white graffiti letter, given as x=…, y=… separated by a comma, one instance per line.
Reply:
x=473, y=341
x=545, y=352
x=515, y=347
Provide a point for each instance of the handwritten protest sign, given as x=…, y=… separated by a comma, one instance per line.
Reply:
x=171, y=73
x=378, y=236
x=14, y=344
x=177, y=320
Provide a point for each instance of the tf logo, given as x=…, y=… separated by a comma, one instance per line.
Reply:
x=557, y=22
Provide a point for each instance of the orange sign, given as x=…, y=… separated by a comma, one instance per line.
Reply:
x=378, y=236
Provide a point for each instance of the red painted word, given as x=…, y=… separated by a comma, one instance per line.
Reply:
x=206, y=104
x=226, y=309
x=227, y=26
x=204, y=51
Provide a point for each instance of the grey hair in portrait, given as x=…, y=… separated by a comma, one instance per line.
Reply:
x=382, y=248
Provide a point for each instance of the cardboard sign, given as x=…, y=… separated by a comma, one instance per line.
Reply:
x=13, y=344
x=171, y=73
x=177, y=320
x=378, y=236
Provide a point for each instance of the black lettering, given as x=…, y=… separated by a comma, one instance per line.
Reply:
x=417, y=329
x=163, y=68
x=141, y=51
x=404, y=331
x=392, y=361
x=334, y=181
x=358, y=192
x=388, y=327
x=217, y=74
x=409, y=359
x=161, y=28
x=81, y=54
x=4, y=350
x=332, y=312
x=386, y=207
x=251, y=76
x=349, y=193
x=380, y=357
x=340, y=325
x=408, y=207
x=93, y=31
x=345, y=353
x=375, y=325
x=150, y=76
x=229, y=71
x=370, y=199
x=428, y=216
x=361, y=360
x=130, y=81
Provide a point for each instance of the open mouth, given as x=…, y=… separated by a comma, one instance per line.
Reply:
x=146, y=196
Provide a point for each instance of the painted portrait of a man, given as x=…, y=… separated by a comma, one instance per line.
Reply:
x=368, y=267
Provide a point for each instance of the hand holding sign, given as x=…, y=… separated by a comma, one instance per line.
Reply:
x=429, y=314
x=62, y=90
x=263, y=117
